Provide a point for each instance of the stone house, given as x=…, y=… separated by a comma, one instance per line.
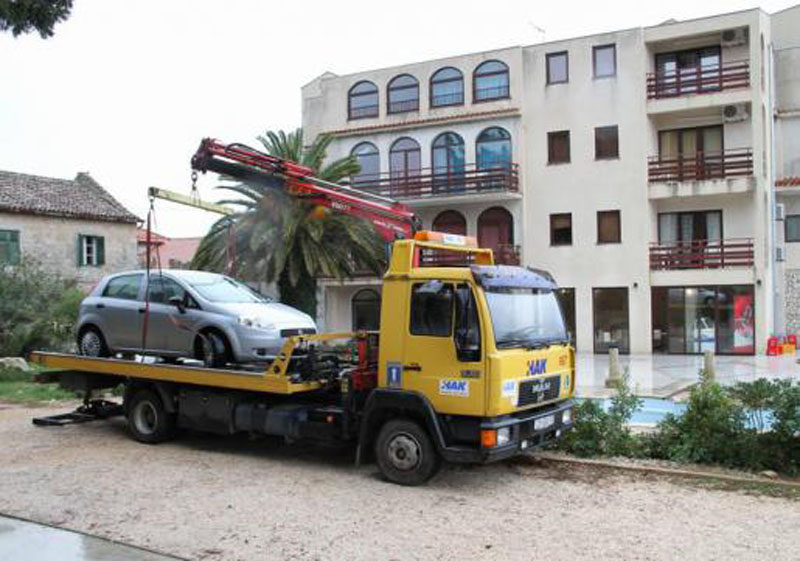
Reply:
x=73, y=228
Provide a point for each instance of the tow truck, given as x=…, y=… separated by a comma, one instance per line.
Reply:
x=471, y=363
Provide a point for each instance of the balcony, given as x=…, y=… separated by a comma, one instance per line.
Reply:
x=699, y=80
x=701, y=173
x=432, y=184
x=701, y=254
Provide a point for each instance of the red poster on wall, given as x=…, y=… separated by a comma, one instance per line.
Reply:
x=744, y=330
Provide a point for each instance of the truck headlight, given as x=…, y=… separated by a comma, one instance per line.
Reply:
x=256, y=323
x=503, y=436
x=566, y=417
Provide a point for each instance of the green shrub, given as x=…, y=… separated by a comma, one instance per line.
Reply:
x=597, y=432
x=37, y=310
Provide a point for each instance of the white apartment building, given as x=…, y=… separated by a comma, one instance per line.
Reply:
x=639, y=167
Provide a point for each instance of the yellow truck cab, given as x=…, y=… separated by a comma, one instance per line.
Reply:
x=472, y=364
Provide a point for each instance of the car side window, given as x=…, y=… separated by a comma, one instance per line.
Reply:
x=162, y=289
x=432, y=309
x=125, y=287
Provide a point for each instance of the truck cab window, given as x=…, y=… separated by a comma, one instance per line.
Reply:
x=432, y=309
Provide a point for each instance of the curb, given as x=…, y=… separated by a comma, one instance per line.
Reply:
x=668, y=471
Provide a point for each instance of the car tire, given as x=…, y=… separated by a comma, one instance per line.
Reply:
x=92, y=343
x=405, y=453
x=148, y=419
x=213, y=350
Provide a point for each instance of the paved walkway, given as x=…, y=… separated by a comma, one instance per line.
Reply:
x=663, y=375
x=27, y=541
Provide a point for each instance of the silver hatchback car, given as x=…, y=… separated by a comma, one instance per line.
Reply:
x=193, y=314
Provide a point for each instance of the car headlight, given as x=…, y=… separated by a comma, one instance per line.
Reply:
x=256, y=323
x=566, y=417
x=503, y=436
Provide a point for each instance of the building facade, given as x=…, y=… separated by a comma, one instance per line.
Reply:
x=71, y=228
x=637, y=166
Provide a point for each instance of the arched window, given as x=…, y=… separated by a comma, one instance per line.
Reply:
x=450, y=222
x=362, y=101
x=490, y=81
x=447, y=87
x=403, y=94
x=448, y=162
x=496, y=231
x=404, y=167
x=368, y=158
x=493, y=149
x=366, y=308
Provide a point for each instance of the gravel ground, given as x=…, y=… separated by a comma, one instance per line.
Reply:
x=213, y=498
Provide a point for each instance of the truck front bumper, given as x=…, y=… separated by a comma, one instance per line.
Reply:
x=529, y=430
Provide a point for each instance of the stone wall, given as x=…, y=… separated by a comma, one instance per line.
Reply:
x=792, y=300
x=53, y=243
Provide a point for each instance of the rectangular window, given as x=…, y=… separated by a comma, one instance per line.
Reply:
x=611, y=323
x=561, y=229
x=91, y=251
x=432, y=309
x=609, y=227
x=604, y=61
x=9, y=247
x=557, y=68
x=606, y=143
x=792, y=233
x=558, y=147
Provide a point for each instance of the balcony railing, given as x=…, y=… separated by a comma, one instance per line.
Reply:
x=737, y=162
x=435, y=182
x=701, y=254
x=443, y=100
x=699, y=80
x=403, y=106
x=363, y=111
x=506, y=254
x=494, y=92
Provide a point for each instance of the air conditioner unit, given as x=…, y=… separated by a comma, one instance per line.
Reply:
x=780, y=211
x=735, y=113
x=780, y=254
x=734, y=37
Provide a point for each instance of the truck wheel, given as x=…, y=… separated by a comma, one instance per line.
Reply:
x=405, y=453
x=92, y=343
x=148, y=420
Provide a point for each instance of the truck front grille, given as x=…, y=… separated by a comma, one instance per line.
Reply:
x=538, y=391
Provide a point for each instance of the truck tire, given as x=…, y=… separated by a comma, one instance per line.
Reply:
x=405, y=453
x=148, y=420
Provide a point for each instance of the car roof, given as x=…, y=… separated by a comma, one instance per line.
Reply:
x=183, y=274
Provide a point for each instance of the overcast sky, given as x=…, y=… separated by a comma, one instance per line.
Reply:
x=125, y=90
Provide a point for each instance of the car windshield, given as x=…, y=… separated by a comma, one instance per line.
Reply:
x=525, y=317
x=226, y=291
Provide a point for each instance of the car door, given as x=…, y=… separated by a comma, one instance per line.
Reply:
x=158, y=315
x=432, y=364
x=119, y=307
x=184, y=321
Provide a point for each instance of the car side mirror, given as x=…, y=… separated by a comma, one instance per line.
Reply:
x=177, y=301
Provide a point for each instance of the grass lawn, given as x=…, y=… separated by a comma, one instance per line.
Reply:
x=19, y=387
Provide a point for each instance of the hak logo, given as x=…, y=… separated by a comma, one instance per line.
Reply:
x=454, y=387
x=537, y=367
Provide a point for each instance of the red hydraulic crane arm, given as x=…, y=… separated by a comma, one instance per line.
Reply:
x=392, y=219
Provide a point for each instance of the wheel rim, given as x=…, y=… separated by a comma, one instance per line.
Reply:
x=145, y=417
x=405, y=453
x=91, y=345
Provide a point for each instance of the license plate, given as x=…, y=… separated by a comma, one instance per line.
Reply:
x=544, y=422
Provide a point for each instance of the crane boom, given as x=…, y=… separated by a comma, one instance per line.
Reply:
x=392, y=219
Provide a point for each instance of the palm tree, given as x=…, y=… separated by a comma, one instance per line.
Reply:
x=281, y=239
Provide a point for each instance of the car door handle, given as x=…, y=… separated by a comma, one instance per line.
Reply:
x=413, y=366
x=100, y=306
x=142, y=310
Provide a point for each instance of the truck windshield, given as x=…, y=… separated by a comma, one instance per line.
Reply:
x=226, y=291
x=525, y=317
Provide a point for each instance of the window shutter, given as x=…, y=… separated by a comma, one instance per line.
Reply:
x=79, y=250
x=14, y=249
x=101, y=251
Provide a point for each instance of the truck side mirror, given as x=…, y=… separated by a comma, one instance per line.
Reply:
x=466, y=335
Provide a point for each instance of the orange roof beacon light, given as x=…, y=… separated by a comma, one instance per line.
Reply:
x=445, y=238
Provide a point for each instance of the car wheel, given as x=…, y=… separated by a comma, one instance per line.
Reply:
x=213, y=350
x=92, y=343
x=405, y=453
x=148, y=420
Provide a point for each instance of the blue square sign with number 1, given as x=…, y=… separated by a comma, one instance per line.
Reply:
x=394, y=374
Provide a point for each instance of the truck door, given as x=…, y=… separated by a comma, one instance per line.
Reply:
x=442, y=356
